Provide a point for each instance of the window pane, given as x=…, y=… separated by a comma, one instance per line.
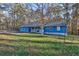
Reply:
x=58, y=28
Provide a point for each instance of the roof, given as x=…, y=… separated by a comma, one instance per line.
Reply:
x=56, y=24
x=32, y=24
x=38, y=24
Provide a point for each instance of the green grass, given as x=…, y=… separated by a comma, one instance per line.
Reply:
x=29, y=44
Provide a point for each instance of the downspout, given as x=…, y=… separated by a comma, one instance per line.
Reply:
x=42, y=27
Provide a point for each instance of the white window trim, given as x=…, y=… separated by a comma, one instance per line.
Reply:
x=58, y=28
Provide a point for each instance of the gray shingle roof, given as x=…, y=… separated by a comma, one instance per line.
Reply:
x=37, y=24
x=56, y=24
x=32, y=24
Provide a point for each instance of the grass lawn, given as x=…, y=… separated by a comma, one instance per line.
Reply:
x=29, y=44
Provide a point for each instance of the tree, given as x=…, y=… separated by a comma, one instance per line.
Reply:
x=40, y=14
x=19, y=13
x=75, y=16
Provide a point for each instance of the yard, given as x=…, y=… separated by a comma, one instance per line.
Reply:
x=29, y=44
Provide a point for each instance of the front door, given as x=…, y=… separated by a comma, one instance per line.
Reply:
x=29, y=29
x=78, y=32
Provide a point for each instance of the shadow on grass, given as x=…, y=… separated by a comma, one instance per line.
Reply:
x=36, y=36
x=27, y=35
x=47, y=42
x=36, y=41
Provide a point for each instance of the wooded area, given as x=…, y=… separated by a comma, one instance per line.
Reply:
x=12, y=16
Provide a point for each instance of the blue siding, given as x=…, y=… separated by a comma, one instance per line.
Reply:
x=54, y=29
x=24, y=29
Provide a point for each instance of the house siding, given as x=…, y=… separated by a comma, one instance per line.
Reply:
x=53, y=30
x=50, y=28
x=24, y=29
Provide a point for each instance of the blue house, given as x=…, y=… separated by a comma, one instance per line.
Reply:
x=24, y=29
x=56, y=28
x=31, y=27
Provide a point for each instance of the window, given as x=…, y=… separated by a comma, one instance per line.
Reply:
x=23, y=28
x=50, y=27
x=58, y=28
